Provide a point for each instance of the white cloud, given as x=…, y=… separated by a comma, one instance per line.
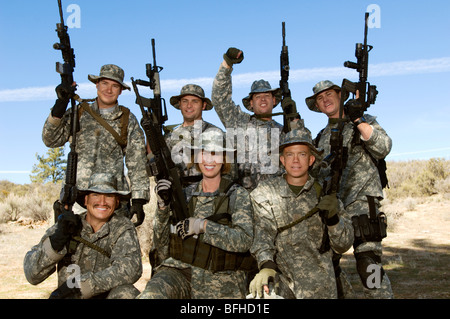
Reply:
x=87, y=90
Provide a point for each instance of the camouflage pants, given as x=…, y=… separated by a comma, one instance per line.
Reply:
x=123, y=292
x=385, y=290
x=168, y=283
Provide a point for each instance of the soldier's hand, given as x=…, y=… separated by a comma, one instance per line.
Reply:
x=329, y=205
x=233, y=56
x=353, y=109
x=163, y=189
x=261, y=281
x=190, y=226
x=68, y=225
x=137, y=207
x=64, y=94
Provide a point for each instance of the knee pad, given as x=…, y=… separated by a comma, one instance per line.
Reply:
x=368, y=266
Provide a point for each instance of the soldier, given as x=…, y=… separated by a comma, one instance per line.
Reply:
x=262, y=134
x=206, y=255
x=108, y=133
x=290, y=220
x=360, y=187
x=191, y=102
x=106, y=260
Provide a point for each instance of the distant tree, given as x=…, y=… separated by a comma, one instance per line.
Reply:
x=50, y=168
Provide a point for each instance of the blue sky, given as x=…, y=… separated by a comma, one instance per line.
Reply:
x=410, y=62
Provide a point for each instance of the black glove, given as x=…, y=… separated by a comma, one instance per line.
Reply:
x=64, y=94
x=68, y=225
x=163, y=189
x=137, y=207
x=329, y=205
x=232, y=56
x=64, y=292
x=353, y=109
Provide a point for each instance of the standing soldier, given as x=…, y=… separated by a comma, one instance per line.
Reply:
x=205, y=255
x=108, y=133
x=360, y=189
x=262, y=134
x=101, y=244
x=291, y=217
x=191, y=102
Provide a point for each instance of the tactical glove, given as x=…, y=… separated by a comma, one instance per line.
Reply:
x=329, y=205
x=261, y=279
x=190, y=226
x=64, y=94
x=353, y=109
x=68, y=225
x=64, y=292
x=163, y=189
x=137, y=207
x=232, y=56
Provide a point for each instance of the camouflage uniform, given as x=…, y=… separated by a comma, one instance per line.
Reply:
x=266, y=134
x=294, y=249
x=97, y=149
x=176, y=279
x=359, y=178
x=99, y=274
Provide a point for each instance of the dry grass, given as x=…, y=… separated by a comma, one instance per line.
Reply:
x=416, y=252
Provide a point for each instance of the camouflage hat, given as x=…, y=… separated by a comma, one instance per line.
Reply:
x=299, y=136
x=111, y=72
x=212, y=140
x=261, y=86
x=191, y=89
x=102, y=183
x=319, y=88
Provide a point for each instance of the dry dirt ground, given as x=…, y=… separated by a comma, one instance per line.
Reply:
x=416, y=254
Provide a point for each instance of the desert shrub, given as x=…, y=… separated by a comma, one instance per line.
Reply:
x=36, y=207
x=10, y=208
x=34, y=201
x=417, y=178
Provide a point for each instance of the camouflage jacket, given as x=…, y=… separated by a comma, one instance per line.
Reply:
x=360, y=175
x=257, y=158
x=178, y=140
x=303, y=269
x=235, y=238
x=98, y=273
x=98, y=151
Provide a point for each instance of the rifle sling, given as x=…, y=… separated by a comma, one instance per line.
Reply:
x=92, y=245
x=122, y=138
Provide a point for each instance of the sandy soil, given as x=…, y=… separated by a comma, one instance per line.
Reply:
x=416, y=254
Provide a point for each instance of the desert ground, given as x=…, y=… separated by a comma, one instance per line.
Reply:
x=416, y=253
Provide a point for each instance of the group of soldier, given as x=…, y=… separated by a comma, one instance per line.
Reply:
x=256, y=229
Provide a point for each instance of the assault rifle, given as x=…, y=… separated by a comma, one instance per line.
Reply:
x=69, y=191
x=289, y=112
x=367, y=93
x=161, y=165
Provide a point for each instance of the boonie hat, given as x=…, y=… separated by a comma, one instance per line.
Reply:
x=111, y=72
x=102, y=183
x=191, y=89
x=319, y=88
x=261, y=86
x=299, y=136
